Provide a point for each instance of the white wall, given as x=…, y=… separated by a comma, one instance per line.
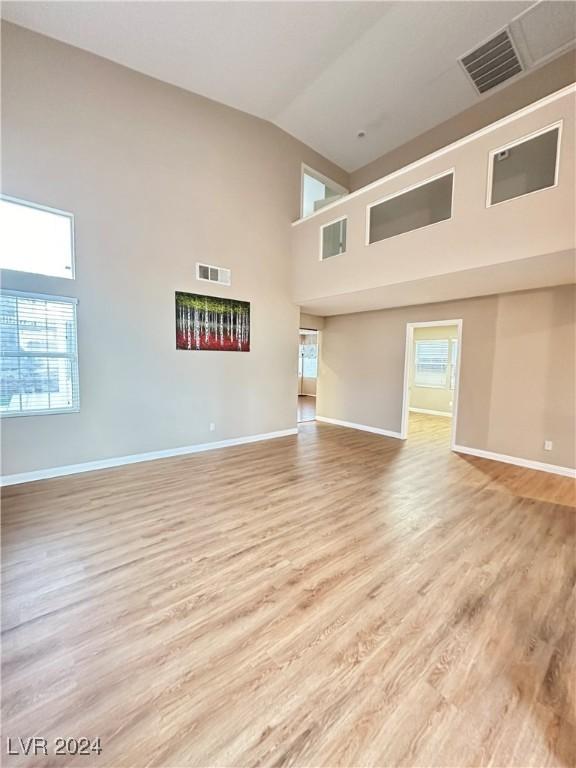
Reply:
x=158, y=179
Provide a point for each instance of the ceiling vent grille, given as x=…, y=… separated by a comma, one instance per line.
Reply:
x=492, y=63
x=213, y=274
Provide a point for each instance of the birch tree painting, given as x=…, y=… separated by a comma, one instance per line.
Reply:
x=208, y=322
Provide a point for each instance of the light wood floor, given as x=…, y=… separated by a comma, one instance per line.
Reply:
x=306, y=408
x=332, y=599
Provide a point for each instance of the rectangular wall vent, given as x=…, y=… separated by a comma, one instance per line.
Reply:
x=492, y=63
x=212, y=274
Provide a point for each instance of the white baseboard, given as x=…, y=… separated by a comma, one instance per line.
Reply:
x=362, y=427
x=90, y=466
x=526, y=463
x=431, y=413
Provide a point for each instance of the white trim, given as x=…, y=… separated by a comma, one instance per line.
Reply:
x=323, y=179
x=566, y=91
x=522, y=140
x=431, y=412
x=517, y=461
x=362, y=427
x=41, y=296
x=73, y=469
x=405, y=190
x=329, y=224
x=45, y=412
x=407, y=361
x=58, y=212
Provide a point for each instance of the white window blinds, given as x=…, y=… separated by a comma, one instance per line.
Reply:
x=38, y=345
x=431, y=364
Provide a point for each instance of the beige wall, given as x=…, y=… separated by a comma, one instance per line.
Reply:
x=477, y=237
x=311, y=322
x=308, y=387
x=157, y=178
x=517, y=382
x=536, y=85
x=431, y=398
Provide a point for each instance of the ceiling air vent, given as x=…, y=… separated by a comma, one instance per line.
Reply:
x=213, y=274
x=492, y=63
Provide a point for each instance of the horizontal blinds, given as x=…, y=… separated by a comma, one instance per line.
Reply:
x=431, y=365
x=39, y=357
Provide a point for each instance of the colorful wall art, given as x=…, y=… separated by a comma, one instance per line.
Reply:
x=212, y=323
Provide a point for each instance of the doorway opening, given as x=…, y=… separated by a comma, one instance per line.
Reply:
x=307, y=374
x=431, y=381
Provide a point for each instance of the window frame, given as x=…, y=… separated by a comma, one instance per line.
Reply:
x=322, y=228
x=306, y=170
x=516, y=142
x=73, y=302
x=58, y=212
x=404, y=190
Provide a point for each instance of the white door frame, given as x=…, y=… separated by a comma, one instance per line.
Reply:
x=407, y=363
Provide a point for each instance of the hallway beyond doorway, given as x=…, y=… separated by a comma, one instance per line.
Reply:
x=306, y=408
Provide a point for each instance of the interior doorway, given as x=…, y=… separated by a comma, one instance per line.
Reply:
x=431, y=381
x=307, y=374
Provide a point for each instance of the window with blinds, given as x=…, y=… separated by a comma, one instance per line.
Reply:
x=431, y=363
x=39, y=354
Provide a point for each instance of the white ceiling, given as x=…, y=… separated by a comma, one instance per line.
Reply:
x=320, y=70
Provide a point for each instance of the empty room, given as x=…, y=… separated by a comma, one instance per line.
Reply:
x=288, y=384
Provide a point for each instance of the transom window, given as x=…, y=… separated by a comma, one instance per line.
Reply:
x=36, y=239
x=39, y=354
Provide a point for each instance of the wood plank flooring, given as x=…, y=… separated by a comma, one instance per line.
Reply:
x=332, y=599
x=306, y=408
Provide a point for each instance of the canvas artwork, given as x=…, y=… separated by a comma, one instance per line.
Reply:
x=212, y=323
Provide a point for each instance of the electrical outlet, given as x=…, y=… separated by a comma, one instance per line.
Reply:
x=548, y=445
x=212, y=427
